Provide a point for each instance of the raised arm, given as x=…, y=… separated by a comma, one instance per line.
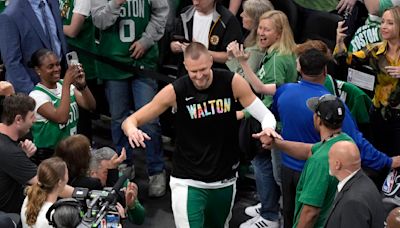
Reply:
x=164, y=99
x=242, y=56
x=105, y=13
x=61, y=113
x=234, y=6
x=372, y=6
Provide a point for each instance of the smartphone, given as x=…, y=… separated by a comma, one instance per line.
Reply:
x=180, y=38
x=72, y=58
x=111, y=220
x=346, y=18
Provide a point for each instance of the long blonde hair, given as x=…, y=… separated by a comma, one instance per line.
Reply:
x=254, y=9
x=395, y=10
x=49, y=173
x=285, y=45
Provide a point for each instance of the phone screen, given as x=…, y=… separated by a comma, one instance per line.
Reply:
x=111, y=220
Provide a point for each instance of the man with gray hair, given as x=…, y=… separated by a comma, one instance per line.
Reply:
x=103, y=160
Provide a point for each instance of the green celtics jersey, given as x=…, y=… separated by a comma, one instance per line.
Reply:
x=46, y=134
x=117, y=39
x=84, y=40
x=2, y=5
x=366, y=34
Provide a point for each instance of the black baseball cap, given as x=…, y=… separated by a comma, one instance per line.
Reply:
x=329, y=107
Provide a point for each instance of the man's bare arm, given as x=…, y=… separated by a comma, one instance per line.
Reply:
x=298, y=150
x=164, y=99
x=308, y=216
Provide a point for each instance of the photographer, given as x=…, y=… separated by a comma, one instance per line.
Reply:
x=67, y=212
x=104, y=165
x=56, y=101
x=52, y=177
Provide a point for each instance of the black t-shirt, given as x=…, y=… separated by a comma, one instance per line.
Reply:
x=15, y=171
x=207, y=130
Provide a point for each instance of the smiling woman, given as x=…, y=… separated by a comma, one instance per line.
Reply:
x=56, y=101
x=276, y=66
x=384, y=58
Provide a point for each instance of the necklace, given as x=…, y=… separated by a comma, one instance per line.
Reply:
x=334, y=134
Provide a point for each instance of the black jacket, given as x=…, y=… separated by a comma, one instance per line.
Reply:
x=357, y=205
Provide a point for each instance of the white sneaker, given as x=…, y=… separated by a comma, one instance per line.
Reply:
x=261, y=223
x=249, y=222
x=253, y=211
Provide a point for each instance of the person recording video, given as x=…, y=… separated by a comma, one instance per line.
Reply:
x=66, y=213
x=57, y=101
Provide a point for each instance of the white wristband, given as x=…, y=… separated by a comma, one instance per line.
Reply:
x=261, y=113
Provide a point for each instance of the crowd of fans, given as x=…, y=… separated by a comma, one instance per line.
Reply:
x=256, y=95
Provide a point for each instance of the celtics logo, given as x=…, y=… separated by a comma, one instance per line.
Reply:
x=214, y=40
x=64, y=8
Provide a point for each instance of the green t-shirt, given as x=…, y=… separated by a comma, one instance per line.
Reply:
x=115, y=41
x=46, y=133
x=316, y=187
x=357, y=100
x=320, y=5
x=277, y=69
x=84, y=40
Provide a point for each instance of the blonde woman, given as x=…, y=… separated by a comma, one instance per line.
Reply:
x=252, y=11
x=384, y=58
x=279, y=64
x=52, y=177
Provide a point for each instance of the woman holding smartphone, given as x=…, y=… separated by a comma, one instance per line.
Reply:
x=56, y=101
x=384, y=58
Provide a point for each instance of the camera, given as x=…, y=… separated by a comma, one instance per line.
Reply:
x=97, y=208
